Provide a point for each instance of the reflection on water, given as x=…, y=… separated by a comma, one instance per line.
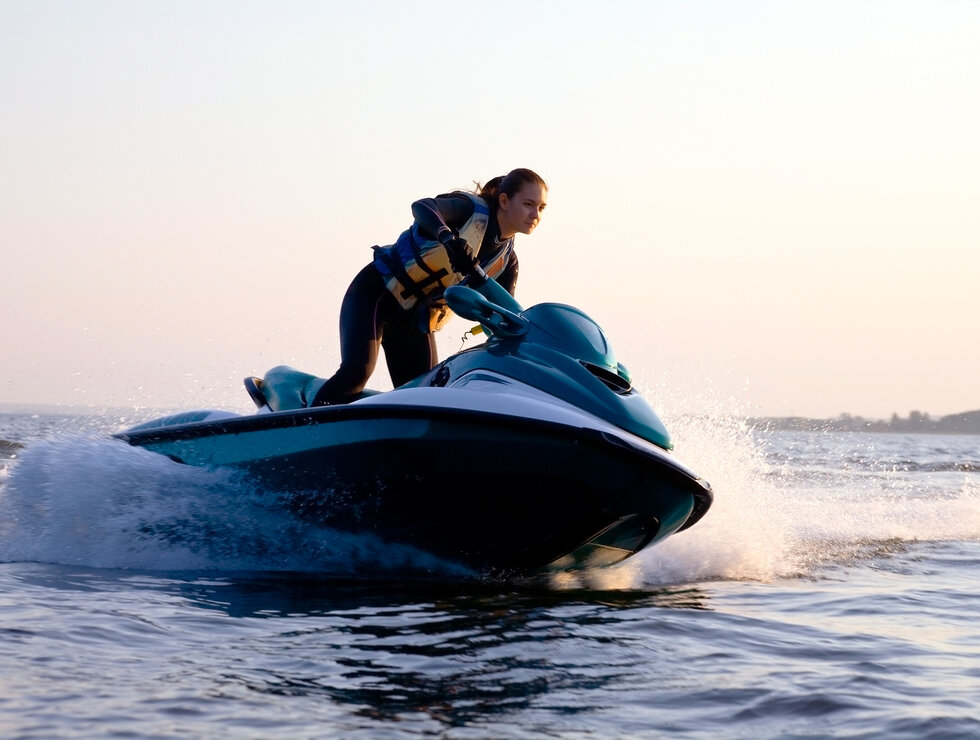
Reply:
x=298, y=595
x=436, y=652
x=264, y=655
x=453, y=656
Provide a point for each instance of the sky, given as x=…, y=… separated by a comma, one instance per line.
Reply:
x=772, y=208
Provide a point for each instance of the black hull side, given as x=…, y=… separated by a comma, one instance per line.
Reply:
x=539, y=500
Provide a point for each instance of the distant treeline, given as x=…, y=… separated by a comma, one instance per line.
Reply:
x=967, y=422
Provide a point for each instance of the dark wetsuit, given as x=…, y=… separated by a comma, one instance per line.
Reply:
x=370, y=317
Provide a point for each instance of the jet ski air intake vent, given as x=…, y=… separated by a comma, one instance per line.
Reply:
x=614, y=381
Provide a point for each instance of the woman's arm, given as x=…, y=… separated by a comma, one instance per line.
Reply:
x=436, y=215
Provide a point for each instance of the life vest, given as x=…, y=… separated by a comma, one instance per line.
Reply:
x=417, y=269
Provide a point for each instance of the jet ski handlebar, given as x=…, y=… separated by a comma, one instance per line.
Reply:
x=473, y=305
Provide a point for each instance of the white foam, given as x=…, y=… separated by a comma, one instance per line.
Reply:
x=102, y=503
x=769, y=523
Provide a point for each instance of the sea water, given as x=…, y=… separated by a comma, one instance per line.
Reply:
x=832, y=591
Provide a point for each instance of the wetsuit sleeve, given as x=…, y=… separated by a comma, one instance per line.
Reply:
x=508, y=278
x=434, y=215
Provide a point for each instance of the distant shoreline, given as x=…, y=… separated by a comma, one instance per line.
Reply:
x=967, y=422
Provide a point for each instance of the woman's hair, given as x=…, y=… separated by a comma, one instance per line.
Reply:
x=510, y=184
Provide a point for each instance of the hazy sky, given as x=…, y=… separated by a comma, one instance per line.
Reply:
x=771, y=207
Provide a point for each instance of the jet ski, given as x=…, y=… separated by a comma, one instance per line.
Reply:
x=531, y=452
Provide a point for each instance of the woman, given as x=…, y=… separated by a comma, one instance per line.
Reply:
x=396, y=301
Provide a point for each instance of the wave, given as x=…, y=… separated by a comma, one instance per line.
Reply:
x=102, y=503
x=857, y=464
x=789, y=506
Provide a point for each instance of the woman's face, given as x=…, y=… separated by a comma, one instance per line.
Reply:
x=520, y=214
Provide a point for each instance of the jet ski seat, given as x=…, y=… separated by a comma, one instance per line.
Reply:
x=283, y=389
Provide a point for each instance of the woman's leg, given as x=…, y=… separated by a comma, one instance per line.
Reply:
x=360, y=337
x=408, y=352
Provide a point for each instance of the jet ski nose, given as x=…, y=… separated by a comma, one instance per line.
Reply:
x=624, y=537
